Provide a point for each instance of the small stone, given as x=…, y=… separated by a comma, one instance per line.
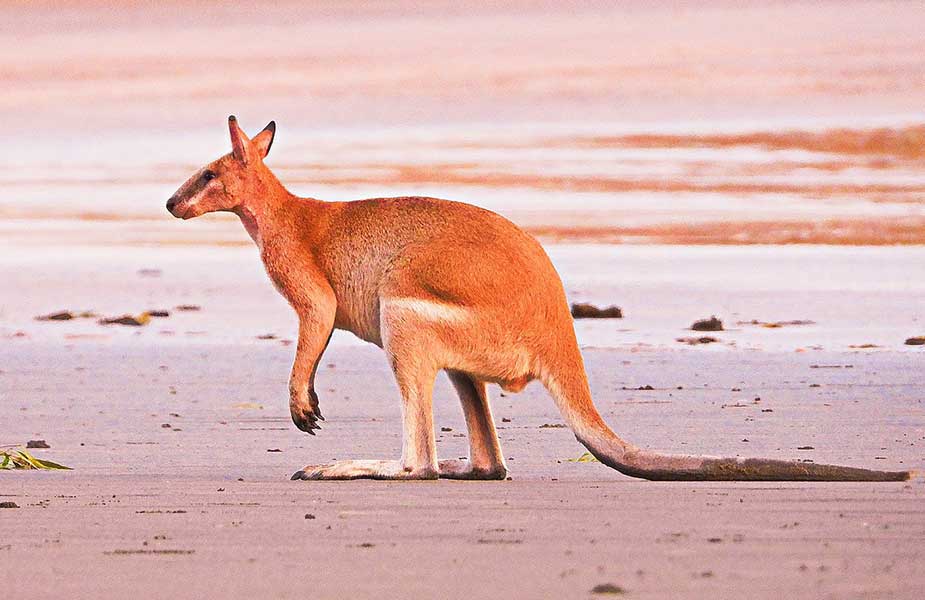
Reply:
x=130, y=320
x=711, y=324
x=589, y=311
x=608, y=588
x=694, y=341
x=58, y=316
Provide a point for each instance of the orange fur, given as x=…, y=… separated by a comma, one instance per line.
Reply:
x=439, y=285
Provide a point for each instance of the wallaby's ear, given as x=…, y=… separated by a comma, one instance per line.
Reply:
x=263, y=140
x=240, y=144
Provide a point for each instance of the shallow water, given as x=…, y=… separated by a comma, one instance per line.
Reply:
x=730, y=123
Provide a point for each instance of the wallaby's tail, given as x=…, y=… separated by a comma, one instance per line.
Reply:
x=573, y=397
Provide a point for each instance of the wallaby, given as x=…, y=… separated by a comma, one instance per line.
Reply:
x=438, y=285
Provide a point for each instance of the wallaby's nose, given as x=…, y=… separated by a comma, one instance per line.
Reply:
x=171, y=203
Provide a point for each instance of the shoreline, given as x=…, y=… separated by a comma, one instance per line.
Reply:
x=851, y=298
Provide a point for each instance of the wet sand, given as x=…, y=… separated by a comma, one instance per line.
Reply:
x=178, y=491
x=201, y=508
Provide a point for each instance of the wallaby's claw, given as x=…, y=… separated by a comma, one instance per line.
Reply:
x=313, y=402
x=306, y=475
x=306, y=419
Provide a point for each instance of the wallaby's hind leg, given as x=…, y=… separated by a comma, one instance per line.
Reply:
x=419, y=446
x=485, y=458
x=419, y=453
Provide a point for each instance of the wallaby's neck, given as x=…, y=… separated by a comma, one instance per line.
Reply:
x=270, y=210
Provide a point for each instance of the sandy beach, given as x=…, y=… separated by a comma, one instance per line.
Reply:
x=181, y=443
x=757, y=161
x=203, y=507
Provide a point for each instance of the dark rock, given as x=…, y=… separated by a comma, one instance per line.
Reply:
x=130, y=320
x=58, y=316
x=37, y=444
x=589, y=311
x=66, y=315
x=693, y=341
x=608, y=588
x=711, y=324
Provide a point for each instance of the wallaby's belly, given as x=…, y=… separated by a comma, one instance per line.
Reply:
x=358, y=312
x=356, y=280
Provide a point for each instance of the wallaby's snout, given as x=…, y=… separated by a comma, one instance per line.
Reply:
x=172, y=204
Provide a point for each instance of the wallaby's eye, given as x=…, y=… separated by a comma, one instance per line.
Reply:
x=208, y=176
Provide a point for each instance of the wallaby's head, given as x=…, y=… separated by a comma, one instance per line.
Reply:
x=227, y=183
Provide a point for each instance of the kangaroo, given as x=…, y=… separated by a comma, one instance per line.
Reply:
x=438, y=285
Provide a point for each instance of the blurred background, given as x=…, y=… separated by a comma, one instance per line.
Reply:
x=759, y=160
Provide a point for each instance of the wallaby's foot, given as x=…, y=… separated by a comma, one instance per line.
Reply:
x=463, y=469
x=364, y=469
x=305, y=413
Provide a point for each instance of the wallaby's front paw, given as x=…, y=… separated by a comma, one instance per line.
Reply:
x=305, y=412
